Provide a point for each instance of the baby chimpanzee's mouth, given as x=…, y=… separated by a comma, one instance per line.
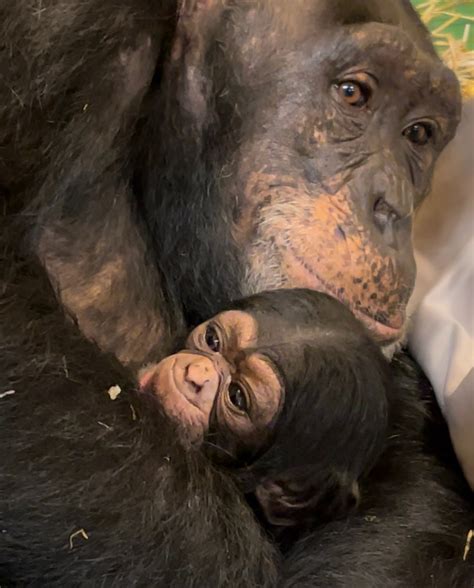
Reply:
x=180, y=385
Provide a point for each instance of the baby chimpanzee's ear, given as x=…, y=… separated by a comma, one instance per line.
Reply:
x=289, y=500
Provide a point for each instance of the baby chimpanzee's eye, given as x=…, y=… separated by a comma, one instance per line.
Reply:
x=238, y=397
x=212, y=339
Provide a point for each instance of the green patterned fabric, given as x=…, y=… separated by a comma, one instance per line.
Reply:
x=451, y=23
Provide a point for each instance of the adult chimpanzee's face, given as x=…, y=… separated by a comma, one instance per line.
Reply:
x=339, y=152
x=307, y=136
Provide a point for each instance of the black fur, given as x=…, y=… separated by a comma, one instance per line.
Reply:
x=338, y=403
x=74, y=459
x=78, y=144
x=414, y=516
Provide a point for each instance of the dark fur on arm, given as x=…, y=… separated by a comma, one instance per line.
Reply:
x=408, y=530
x=74, y=459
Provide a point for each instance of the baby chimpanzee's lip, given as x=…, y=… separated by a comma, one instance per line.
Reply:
x=145, y=376
x=176, y=382
x=180, y=385
x=385, y=334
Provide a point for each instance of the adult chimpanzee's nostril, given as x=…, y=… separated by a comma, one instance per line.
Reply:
x=384, y=215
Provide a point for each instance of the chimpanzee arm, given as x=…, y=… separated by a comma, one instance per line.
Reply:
x=408, y=531
x=403, y=541
x=89, y=235
x=96, y=491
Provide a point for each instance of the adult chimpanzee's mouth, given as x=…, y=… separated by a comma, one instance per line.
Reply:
x=385, y=334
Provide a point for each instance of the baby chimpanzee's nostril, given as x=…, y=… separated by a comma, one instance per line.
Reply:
x=197, y=374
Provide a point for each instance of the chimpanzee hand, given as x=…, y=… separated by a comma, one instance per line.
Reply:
x=288, y=502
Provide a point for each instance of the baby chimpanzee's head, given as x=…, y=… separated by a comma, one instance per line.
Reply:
x=286, y=389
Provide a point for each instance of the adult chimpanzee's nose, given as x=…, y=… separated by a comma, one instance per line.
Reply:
x=392, y=199
x=384, y=216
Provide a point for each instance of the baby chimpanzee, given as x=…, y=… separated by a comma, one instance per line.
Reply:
x=288, y=390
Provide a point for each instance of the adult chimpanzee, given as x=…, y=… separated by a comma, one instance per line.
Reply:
x=238, y=146
x=165, y=157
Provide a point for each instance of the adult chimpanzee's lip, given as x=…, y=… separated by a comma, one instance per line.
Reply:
x=385, y=334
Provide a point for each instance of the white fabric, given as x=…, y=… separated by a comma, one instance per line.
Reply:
x=442, y=330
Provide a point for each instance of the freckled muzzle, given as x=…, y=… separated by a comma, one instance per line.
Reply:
x=326, y=244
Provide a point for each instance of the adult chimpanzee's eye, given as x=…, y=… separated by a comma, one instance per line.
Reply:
x=353, y=93
x=419, y=133
x=238, y=397
x=212, y=339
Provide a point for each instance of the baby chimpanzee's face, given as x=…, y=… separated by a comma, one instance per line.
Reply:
x=220, y=378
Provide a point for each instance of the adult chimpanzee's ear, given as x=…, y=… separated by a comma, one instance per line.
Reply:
x=196, y=19
x=287, y=502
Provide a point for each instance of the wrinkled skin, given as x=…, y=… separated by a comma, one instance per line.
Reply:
x=321, y=192
x=222, y=151
x=330, y=188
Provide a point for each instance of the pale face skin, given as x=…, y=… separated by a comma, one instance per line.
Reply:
x=214, y=370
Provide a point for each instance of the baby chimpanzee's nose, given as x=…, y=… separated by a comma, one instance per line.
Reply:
x=199, y=373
